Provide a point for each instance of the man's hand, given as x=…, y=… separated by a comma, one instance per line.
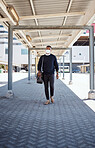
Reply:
x=39, y=74
x=57, y=76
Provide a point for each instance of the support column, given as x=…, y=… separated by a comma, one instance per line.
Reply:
x=10, y=56
x=28, y=65
x=35, y=66
x=91, y=93
x=60, y=67
x=70, y=82
x=17, y=69
x=63, y=66
x=5, y=68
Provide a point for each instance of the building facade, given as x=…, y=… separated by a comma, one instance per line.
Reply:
x=80, y=55
x=20, y=52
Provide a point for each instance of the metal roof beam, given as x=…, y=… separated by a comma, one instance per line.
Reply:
x=51, y=42
x=88, y=19
x=53, y=46
x=27, y=27
x=55, y=55
x=4, y=19
x=3, y=7
x=35, y=17
x=51, y=15
x=65, y=18
x=36, y=21
x=52, y=49
x=49, y=37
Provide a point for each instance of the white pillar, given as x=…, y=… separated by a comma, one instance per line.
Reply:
x=10, y=56
x=63, y=66
x=70, y=82
x=28, y=65
x=91, y=93
x=35, y=66
x=60, y=66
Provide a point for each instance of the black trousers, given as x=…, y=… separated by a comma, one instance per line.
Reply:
x=49, y=81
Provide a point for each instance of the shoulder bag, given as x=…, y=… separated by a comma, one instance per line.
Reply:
x=41, y=78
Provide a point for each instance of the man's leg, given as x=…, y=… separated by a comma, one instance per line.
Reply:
x=46, y=80
x=51, y=79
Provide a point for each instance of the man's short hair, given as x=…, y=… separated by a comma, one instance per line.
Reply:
x=49, y=46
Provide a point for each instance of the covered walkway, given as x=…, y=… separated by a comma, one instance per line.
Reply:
x=26, y=123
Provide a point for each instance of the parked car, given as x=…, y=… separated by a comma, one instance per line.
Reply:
x=66, y=69
x=2, y=70
x=23, y=71
x=76, y=70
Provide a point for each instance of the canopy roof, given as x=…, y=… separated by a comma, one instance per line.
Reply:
x=49, y=12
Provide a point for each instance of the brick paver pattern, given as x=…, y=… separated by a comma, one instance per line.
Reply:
x=25, y=122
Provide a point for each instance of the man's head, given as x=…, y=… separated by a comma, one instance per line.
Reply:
x=48, y=50
x=49, y=47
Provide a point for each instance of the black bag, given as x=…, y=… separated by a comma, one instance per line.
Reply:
x=41, y=78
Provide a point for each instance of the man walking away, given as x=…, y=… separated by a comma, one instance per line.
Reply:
x=49, y=63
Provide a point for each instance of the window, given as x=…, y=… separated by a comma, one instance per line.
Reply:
x=6, y=50
x=14, y=39
x=3, y=31
x=67, y=52
x=3, y=42
x=79, y=53
x=17, y=44
x=1, y=26
x=24, y=51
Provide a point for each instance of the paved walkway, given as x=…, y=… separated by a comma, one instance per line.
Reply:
x=80, y=86
x=26, y=123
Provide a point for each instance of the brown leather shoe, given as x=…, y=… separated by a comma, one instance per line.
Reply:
x=52, y=99
x=47, y=102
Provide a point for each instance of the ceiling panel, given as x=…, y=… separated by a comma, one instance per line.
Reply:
x=42, y=7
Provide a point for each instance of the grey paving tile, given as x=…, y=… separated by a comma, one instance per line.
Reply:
x=26, y=123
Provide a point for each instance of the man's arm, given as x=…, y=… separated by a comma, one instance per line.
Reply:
x=56, y=64
x=39, y=66
x=56, y=67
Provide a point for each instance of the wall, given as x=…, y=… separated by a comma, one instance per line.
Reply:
x=18, y=58
x=76, y=57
